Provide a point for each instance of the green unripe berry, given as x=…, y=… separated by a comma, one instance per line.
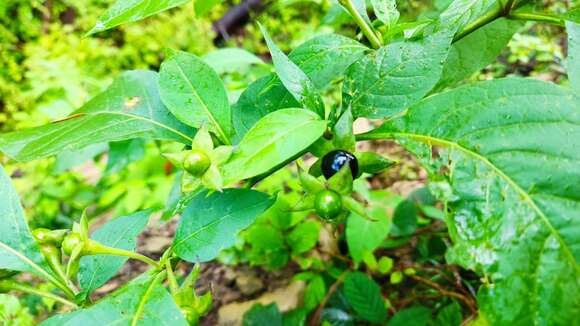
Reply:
x=328, y=204
x=196, y=163
x=70, y=242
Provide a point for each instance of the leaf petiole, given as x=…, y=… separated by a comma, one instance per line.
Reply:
x=95, y=248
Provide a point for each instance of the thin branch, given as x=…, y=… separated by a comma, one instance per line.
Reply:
x=466, y=300
x=9, y=285
x=315, y=320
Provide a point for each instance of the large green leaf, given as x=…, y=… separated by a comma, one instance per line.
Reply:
x=144, y=301
x=364, y=235
x=573, y=61
x=460, y=13
x=510, y=149
x=388, y=80
x=129, y=108
x=18, y=250
x=211, y=223
x=119, y=233
x=322, y=59
x=477, y=50
x=386, y=11
x=195, y=94
x=364, y=295
x=276, y=138
x=124, y=11
x=294, y=79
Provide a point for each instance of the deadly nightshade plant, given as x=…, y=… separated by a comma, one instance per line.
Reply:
x=506, y=165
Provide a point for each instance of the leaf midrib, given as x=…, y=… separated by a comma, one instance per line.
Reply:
x=203, y=105
x=216, y=221
x=274, y=140
x=526, y=197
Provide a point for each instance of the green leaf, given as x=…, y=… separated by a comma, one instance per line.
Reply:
x=462, y=12
x=364, y=236
x=276, y=138
x=388, y=80
x=573, y=15
x=125, y=11
x=119, y=233
x=202, y=7
x=229, y=60
x=386, y=11
x=573, y=60
x=510, y=147
x=449, y=315
x=129, y=108
x=322, y=59
x=361, y=8
x=314, y=292
x=414, y=316
x=124, y=152
x=364, y=295
x=294, y=79
x=404, y=219
x=337, y=317
x=144, y=301
x=263, y=315
x=304, y=237
x=195, y=94
x=70, y=159
x=18, y=250
x=478, y=49
x=211, y=223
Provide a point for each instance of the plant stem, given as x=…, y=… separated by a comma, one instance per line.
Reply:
x=489, y=17
x=9, y=285
x=365, y=28
x=466, y=300
x=315, y=320
x=173, y=285
x=95, y=248
x=538, y=17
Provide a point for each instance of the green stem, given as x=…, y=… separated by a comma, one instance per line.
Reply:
x=489, y=17
x=95, y=248
x=9, y=285
x=365, y=28
x=173, y=285
x=538, y=17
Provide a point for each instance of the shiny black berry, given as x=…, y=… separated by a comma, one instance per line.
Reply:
x=335, y=160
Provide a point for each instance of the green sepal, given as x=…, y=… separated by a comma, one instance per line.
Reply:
x=221, y=154
x=189, y=183
x=202, y=140
x=316, y=168
x=342, y=181
x=310, y=184
x=321, y=146
x=372, y=163
x=343, y=133
x=212, y=179
x=176, y=158
x=356, y=207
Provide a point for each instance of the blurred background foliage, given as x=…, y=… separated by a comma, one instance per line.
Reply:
x=48, y=69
